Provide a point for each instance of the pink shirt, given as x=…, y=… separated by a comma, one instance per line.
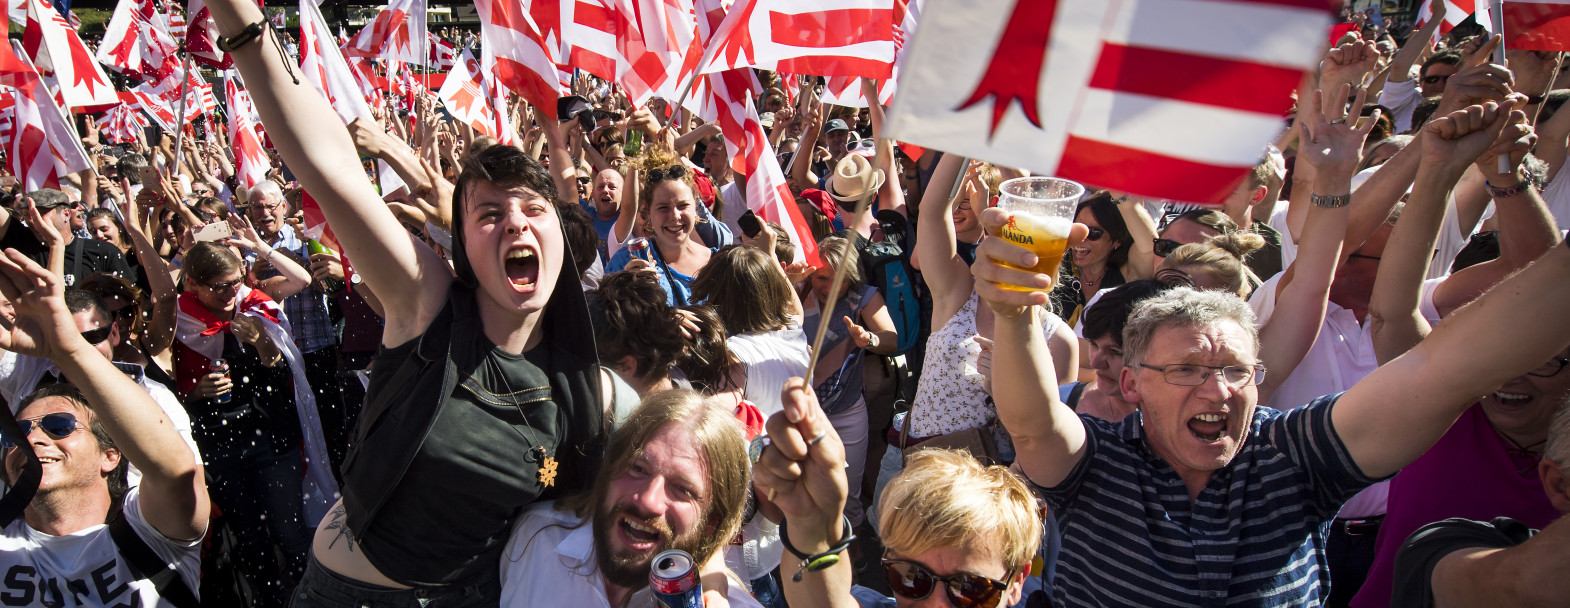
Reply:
x=1469, y=473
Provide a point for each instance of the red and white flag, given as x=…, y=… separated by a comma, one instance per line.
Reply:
x=364, y=70
x=504, y=130
x=1537, y=25
x=1156, y=98
x=1456, y=11
x=61, y=57
x=279, y=20
x=397, y=32
x=813, y=37
x=846, y=91
x=176, y=22
x=43, y=147
x=513, y=44
x=324, y=67
x=442, y=54
x=136, y=45
x=122, y=124
x=730, y=106
x=201, y=36
x=155, y=100
x=464, y=95
x=250, y=160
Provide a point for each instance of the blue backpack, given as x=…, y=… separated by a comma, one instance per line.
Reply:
x=886, y=266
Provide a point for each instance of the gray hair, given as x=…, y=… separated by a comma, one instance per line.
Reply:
x=266, y=187
x=1183, y=307
x=1558, y=447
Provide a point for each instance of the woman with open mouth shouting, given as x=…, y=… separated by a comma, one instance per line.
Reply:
x=486, y=394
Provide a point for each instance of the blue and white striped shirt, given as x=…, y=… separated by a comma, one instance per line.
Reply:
x=1255, y=536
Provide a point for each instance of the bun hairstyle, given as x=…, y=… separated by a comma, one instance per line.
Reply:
x=1223, y=258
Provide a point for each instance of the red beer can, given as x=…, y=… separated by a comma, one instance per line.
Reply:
x=673, y=577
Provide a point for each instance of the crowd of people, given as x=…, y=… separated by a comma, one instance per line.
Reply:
x=529, y=371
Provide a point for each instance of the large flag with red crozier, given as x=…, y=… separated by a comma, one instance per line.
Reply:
x=61, y=57
x=514, y=45
x=250, y=160
x=136, y=45
x=1158, y=98
x=812, y=37
x=464, y=96
x=397, y=32
x=43, y=148
x=1537, y=25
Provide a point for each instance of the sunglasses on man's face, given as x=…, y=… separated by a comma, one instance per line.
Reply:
x=914, y=582
x=1165, y=247
x=57, y=426
x=97, y=336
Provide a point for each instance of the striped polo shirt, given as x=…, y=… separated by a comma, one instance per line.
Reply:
x=1255, y=536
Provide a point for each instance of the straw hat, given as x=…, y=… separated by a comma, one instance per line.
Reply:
x=854, y=179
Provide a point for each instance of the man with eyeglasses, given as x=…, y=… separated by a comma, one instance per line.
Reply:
x=84, y=538
x=1203, y=497
x=83, y=256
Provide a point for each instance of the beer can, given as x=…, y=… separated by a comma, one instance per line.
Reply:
x=220, y=366
x=639, y=248
x=673, y=577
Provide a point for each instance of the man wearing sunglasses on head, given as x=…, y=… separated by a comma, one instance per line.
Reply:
x=950, y=527
x=21, y=374
x=81, y=434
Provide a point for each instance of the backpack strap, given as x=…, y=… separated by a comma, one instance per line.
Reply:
x=146, y=564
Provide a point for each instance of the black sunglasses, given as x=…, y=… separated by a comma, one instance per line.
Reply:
x=1435, y=79
x=912, y=581
x=56, y=426
x=97, y=336
x=1095, y=233
x=221, y=287
x=1165, y=247
x=675, y=172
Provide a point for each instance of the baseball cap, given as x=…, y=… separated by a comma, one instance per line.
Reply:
x=836, y=125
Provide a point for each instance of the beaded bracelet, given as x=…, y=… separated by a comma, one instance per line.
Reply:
x=1507, y=192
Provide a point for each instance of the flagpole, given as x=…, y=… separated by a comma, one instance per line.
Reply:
x=179, y=131
x=1497, y=17
x=842, y=266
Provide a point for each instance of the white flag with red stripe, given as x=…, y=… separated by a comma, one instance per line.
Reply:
x=513, y=44
x=846, y=91
x=442, y=54
x=814, y=37
x=1537, y=25
x=364, y=70
x=1171, y=100
x=1456, y=11
x=504, y=130
x=136, y=45
x=324, y=67
x=279, y=20
x=7, y=116
x=201, y=36
x=176, y=22
x=730, y=106
x=464, y=95
x=61, y=57
x=122, y=124
x=250, y=160
x=43, y=146
x=397, y=32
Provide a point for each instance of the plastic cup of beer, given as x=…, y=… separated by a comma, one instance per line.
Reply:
x=1041, y=211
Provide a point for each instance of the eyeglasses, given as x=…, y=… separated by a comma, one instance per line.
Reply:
x=97, y=336
x=914, y=582
x=674, y=172
x=266, y=206
x=1164, y=247
x=1190, y=374
x=220, y=287
x=57, y=426
x=1435, y=79
x=1551, y=368
x=1095, y=234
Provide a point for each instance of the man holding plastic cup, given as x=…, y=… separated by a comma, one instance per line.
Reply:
x=1201, y=497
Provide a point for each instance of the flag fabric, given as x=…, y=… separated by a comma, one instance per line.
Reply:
x=201, y=36
x=846, y=91
x=512, y=43
x=155, y=100
x=324, y=67
x=1456, y=11
x=1537, y=25
x=122, y=124
x=504, y=130
x=1157, y=98
x=397, y=32
x=43, y=146
x=813, y=37
x=63, y=60
x=465, y=96
x=250, y=160
x=279, y=20
x=176, y=23
x=442, y=55
x=7, y=117
x=730, y=106
x=364, y=71
x=135, y=44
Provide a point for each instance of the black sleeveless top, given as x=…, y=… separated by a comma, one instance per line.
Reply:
x=457, y=437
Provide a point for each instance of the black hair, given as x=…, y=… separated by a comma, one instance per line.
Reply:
x=581, y=236
x=1106, y=213
x=78, y=300
x=1108, y=315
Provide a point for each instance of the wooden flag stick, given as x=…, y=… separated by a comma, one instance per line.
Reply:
x=842, y=266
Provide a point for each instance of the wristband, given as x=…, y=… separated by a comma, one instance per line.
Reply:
x=251, y=32
x=1330, y=201
x=1507, y=192
x=820, y=561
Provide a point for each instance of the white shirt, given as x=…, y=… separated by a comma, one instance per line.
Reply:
x=771, y=358
x=1402, y=97
x=1557, y=196
x=86, y=568
x=1343, y=353
x=549, y=561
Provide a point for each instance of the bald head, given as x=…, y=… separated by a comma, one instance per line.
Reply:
x=606, y=195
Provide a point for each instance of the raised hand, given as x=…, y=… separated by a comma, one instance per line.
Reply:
x=1329, y=142
x=244, y=234
x=45, y=231
x=1477, y=81
x=1348, y=64
x=991, y=275
x=1458, y=139
x=43, y=325
x=802, y=469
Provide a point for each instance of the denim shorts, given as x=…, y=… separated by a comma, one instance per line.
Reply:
x=323, y=588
